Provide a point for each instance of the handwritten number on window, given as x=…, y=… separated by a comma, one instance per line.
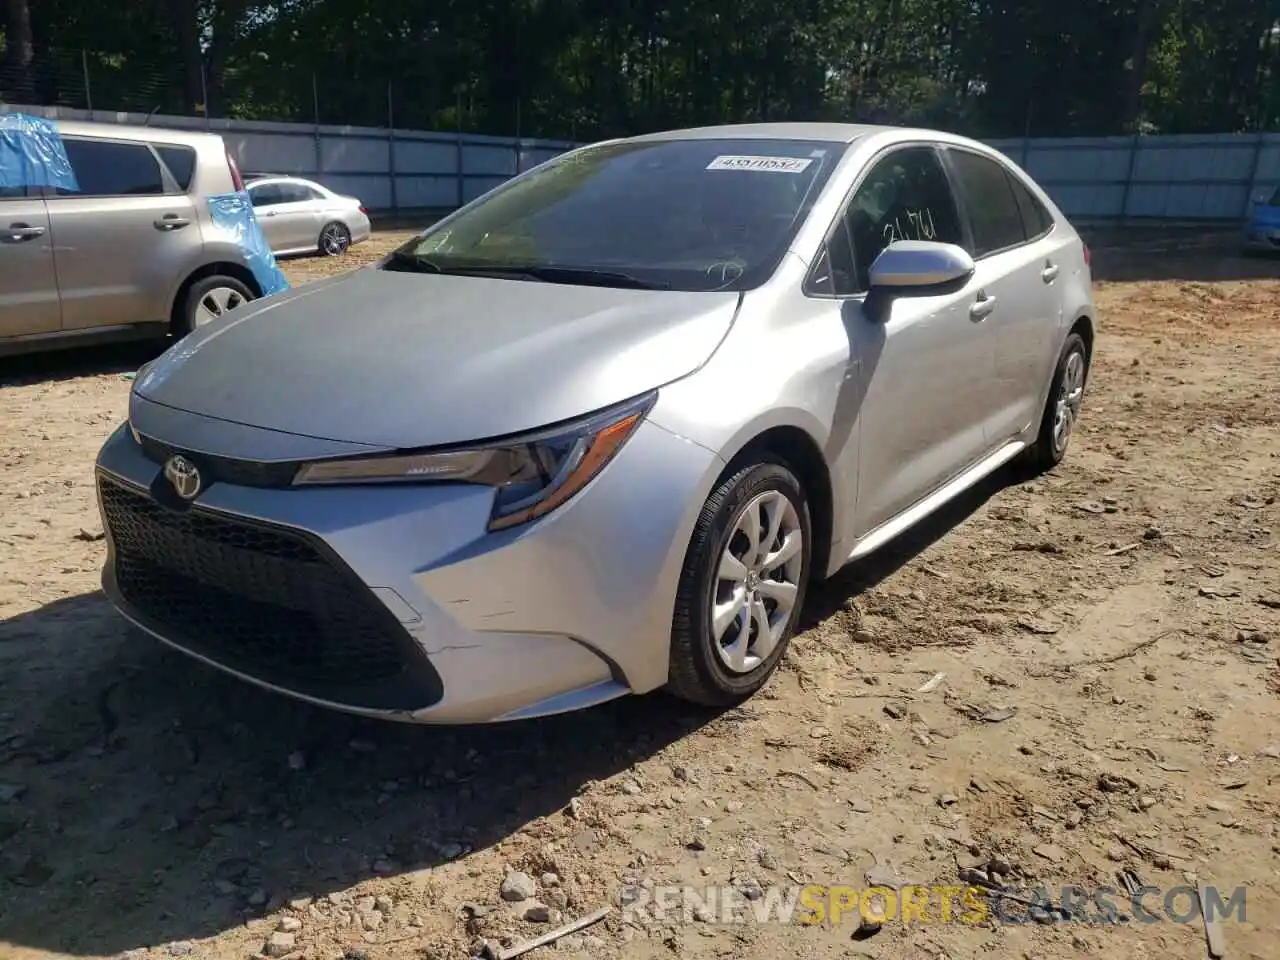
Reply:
x=918, y=226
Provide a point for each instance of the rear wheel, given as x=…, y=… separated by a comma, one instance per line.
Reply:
x=211, y=298
x=335, y=238
x=742, y=586
x=1062, y=409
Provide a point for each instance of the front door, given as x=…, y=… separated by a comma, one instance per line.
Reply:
x=924, y=365
x=28, y=284
x=123, y=239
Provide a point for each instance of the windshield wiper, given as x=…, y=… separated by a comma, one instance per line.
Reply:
x=412, y=262
x=587, y=276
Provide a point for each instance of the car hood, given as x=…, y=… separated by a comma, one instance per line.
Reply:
x=401, y=360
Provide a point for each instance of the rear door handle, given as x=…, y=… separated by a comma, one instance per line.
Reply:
x=1049, y=273
x=981, y=309
x=171, y=221
x=21, y=233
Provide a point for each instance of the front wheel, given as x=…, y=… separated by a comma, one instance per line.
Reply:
x=1062, y=409
x=742, y=586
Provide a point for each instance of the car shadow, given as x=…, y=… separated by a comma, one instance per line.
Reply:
x=829, y=597
x=73, y=362
x=158, y=800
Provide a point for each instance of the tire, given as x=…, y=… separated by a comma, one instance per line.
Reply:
x=1070, y=376
x=699, y=671
x=335, y=239
x=209, y=298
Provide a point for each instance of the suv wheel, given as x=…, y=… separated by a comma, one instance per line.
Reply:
x=210, y=298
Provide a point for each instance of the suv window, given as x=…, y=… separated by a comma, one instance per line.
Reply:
x=905, y=196
x=990, y=203
x=181, y=162
x=1036, y=220
x=112, y=168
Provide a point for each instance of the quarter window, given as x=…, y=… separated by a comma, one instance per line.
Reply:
x=994, y=217
x=107, y=168
x=905, y=196
x=1036, y=220
x=181, y=162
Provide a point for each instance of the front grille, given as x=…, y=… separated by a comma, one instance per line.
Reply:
x=244, y=473
x=263, y=600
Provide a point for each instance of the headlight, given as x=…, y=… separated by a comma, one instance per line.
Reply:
x=532, y=475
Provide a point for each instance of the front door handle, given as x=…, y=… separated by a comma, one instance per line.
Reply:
x=982, y=308
x=171, y=221
x=1049, y=273
x=21, y=233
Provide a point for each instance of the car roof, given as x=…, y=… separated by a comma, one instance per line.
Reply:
x=831, y=132
x=116, y=131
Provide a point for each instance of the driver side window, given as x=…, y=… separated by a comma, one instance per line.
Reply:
x=905, y=196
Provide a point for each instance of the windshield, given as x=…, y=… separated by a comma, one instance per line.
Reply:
x=669, y=214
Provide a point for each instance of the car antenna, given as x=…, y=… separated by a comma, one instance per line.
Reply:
x=154, y=111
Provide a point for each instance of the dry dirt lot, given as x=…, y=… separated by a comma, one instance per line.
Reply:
x=1109, y=635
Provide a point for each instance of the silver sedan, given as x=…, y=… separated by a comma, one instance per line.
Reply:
x=300, y=216
x=598, y=431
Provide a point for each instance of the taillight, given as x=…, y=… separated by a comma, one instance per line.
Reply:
x=236, y=180
x=363, y=210
x=1088, y=257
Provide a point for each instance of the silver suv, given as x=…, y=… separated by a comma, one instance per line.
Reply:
x=135, y=252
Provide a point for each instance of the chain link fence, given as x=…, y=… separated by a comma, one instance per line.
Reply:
x=85, y=79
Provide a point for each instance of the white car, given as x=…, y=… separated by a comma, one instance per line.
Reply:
x=301, y=216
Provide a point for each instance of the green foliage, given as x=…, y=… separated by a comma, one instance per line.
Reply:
x=588, y=69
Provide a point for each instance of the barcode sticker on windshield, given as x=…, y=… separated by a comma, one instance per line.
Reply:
x=761, y=164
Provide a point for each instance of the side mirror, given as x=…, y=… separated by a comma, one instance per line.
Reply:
x=920, y=264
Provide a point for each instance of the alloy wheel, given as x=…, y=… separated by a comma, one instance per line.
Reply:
x=215, y=303
x=1070, y=396
x=757, y=581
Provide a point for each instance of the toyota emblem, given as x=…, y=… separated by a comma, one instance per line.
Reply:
x=184, y=476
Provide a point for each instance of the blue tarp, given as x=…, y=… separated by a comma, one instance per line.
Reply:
x=234, y=212
x=32, y=154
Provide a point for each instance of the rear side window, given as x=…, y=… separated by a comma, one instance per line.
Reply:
x=1036, y=219
x=294, y=193
x=265, y=195
x=992, y=209
x=181, y=162
x=107, y=168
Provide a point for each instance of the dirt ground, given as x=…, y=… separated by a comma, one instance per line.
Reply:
x=1109, y=635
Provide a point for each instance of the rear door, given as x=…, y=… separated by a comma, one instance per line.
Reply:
x=291, y=214
x=28, y=284
x=122, y=240
x=1017, y=270
x=265, y=198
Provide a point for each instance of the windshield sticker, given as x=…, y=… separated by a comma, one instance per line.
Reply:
x=761, y=164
